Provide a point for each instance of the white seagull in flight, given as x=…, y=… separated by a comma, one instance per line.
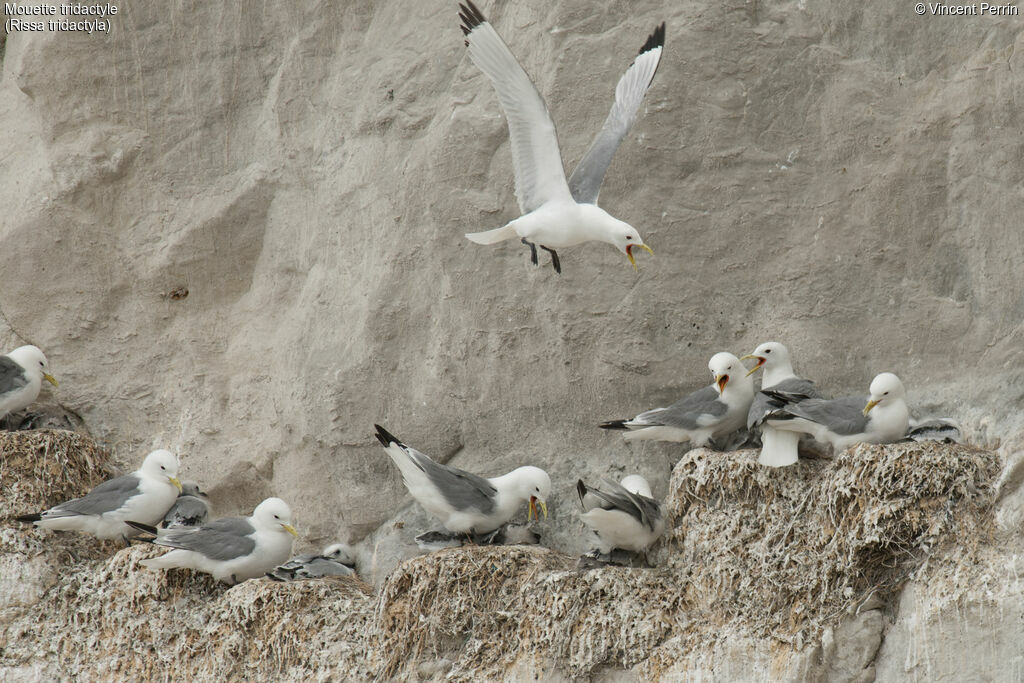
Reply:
x=557, y=213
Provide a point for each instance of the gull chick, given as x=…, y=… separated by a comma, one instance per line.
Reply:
x=22, y=372
x=882, y=417
x=715, y=410
x=465, y=502
x=335, y=560
x=146, y=494
x=557, y=213
x=233, y=549
x=780, y=387
x=191, y=508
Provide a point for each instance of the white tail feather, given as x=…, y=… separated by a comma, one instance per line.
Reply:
x=501, y=234
x=778, y=448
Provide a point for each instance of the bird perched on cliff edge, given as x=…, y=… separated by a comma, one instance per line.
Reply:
x=780, y=387
x=843, y=422
x=22, y=372
x=557, y=213
x=233, y=549
x=623, y=516
x=715, y=410
x=146, y=494
x=463, y=501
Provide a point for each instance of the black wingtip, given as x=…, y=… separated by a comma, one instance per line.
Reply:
x=656, y=39
x=470, y=16
x=145, y=528
x=581, y=489
x=28, y=519
x=613, y=424
x=274, y=577
x=385, y=437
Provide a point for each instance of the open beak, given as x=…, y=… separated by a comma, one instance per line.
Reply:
x=534, y=503
x=869, y=406
x=290, y=529
x=761, y=360
x=51, y=379
x=176, y=482
x=721, y=381
x=629, y=253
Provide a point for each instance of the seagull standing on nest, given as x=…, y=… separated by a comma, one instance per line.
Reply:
x=22, y=372
x=843, y=422
x=780, y=387
x=463, y=501
x=715, y=410
x=623, y=516
x=557, y=213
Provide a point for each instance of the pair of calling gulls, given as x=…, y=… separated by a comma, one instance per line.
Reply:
x=557, y=212
x=786, y=407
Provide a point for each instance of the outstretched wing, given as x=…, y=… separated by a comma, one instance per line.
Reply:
x=535, y=156
x=586, y=179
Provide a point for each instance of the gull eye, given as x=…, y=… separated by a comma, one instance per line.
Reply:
x=629, y=237
x=767, y=350
x=885, y=394
x=276, y=517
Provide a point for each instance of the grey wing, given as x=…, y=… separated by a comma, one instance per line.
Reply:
x=585, y=181
x=687, y=412
x=222, y=540
x=768, y=401
x=321, y=566
x=844, y=416
x=645, y=510
x=107, y=497
x=12, y=375
x=463, y=490
x=187, y=511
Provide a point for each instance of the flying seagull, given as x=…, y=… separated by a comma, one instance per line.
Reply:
x=335, y=560
x=623, y=516
x=780, y=387
x=145, y=495
x=465, y=502
x=190, y=509
x=22, y=372
x=880, y=418
x=715, y=410
x=233, y=549
x=557, y=213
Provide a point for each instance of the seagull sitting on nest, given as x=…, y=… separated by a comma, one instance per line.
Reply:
x=557, y=213
x=715, y=410
x=780, y=387
x=843, y=422
x=624, y=516
x=22, y=372
x=335, y=560
x=464, y=502
x=233, y=549
x=190, y=509
x=145, y=494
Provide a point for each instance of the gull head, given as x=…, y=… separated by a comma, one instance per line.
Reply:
x=273, y=514
x=624, y=237
x=163, y=466
x=534, y=485
x=768, y=355
x=885, y=389
x=339, y=552
x=635, y=483
x=725, y=367
x=33, y=360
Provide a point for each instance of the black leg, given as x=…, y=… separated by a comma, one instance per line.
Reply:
x=554, y=259
x=533, y=250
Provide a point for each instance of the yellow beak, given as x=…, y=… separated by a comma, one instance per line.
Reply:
x=760, y=361
x=51, y=379
x=290, y=529
x=176, y=482
x=629, y=253
x=721, y=381
x=532, y=511
x=869, y=406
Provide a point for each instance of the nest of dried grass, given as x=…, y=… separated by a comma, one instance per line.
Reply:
x=785, y=552
x=41, y=468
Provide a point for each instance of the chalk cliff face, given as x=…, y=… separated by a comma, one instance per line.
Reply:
x=236, y=231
